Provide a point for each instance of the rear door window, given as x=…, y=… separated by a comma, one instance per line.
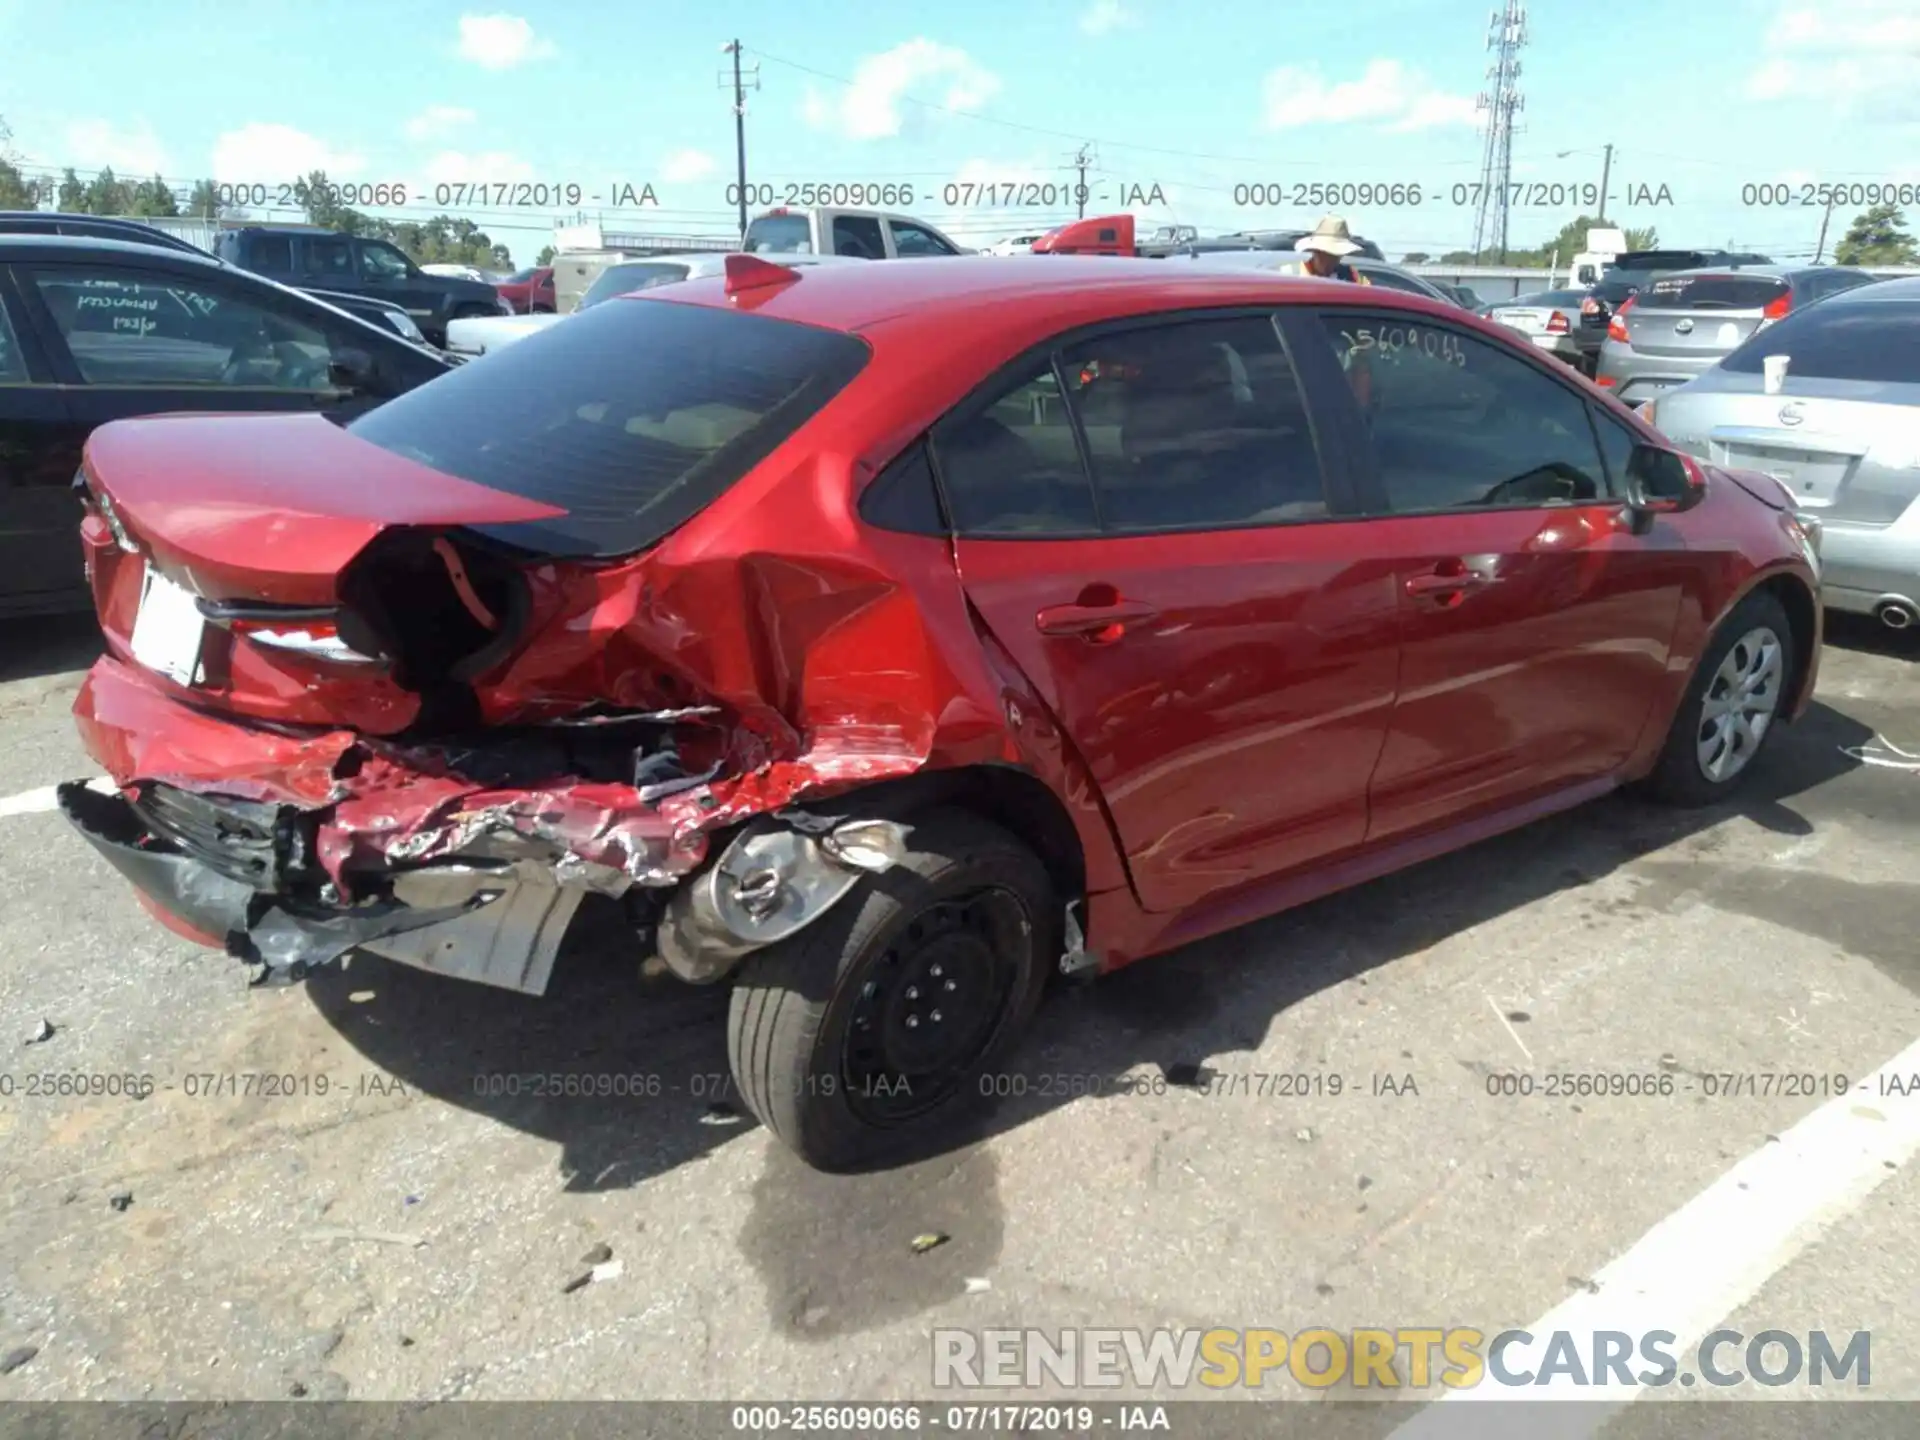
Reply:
x=327, y=257
x=141, y=328
x=1844, y=339
x=632, y=417
x=13, y=361
x=269, y=254
x=910, y=240
x=1193, y=425
x=858, y=236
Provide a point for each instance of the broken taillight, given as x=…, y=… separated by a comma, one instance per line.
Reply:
x=1617, y=326
x=316, y=639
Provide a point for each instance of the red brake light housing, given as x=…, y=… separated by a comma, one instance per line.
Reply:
x=1617, y=327
x=1589, y=306
x=1557, y=323
x=750, y=272
x=1777, y=309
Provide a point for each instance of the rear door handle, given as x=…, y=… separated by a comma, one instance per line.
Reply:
x=1095, y=622
x=1445, y=582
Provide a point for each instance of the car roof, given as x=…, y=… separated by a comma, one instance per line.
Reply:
x=936, y=300
x=17, y=245
x=1903, y=288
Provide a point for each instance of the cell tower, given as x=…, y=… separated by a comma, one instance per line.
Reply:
x=1499, y=103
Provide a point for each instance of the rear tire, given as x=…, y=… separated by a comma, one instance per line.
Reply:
x=1731, y=706
x=925, y=974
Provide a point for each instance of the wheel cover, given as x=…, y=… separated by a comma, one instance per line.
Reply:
x=1739, y=704
x=929, y=1005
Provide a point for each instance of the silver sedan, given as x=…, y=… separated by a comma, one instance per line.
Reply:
x=1837, y=423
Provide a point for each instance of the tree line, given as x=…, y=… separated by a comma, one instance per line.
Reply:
x=444, y=239
x=1875, y=237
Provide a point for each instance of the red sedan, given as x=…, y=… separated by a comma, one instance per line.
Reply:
x=887, y=640
x=529, y=292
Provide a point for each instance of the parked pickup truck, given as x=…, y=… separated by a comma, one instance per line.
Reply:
x=859, y=234
x=357, y=265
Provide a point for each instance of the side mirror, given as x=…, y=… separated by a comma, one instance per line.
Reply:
x=1663, y=482
x=351, y=370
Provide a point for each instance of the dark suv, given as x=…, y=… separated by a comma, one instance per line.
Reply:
x=356, y=265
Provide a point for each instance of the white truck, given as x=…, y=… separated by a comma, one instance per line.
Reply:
x=1603, y=247
x=860, y=234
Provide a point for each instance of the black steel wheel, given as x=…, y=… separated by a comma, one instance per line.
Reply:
x=873, y=1029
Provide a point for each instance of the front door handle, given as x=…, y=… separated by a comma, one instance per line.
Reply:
x=1101, y=623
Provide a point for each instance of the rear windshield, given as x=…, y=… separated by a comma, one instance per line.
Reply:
x=624, y=279
x=1547, y=300
x=1860, y=340
x=632, y=417
x=780, y=235
x=1712, y=292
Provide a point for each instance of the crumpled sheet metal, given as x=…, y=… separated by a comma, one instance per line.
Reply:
x=831, y=669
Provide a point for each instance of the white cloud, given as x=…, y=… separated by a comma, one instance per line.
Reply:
x=1387, y=94
x=494, y=167
x=500, y=42
x=438, y=121
x=276, y=153
x=1858, y=56
x=871, y=107
x=134, y=153
x=684, y=165
x=1105, y=15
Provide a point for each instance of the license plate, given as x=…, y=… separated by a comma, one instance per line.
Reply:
x=1814, y=478
x=1518, y=322
x=168, y=629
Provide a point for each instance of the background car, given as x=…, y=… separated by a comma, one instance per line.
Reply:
x=1285, y=240
x=742, y=577
x=529, y=291
x=470, y=338
x=1842, y=436
x=1551, y=321
x=1682, y=323
x=1378, y=272
x=100, y=227
x=358, y=265
x=1462, y=295
x=1014, y=244
x=96, y=330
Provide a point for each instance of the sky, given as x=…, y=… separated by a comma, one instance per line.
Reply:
x=1213, y=115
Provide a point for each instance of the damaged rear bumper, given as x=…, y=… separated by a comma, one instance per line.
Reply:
x=289, y=850
x=496, y=923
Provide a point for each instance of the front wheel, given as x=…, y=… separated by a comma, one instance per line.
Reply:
x=1730, y=707
x=876, y=1027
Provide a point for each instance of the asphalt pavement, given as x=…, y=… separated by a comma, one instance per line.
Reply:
x=346, y=1189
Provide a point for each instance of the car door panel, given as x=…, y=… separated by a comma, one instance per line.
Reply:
x=40, y=564
x=1227, y=687
x=1233, y=721
x=1535, y=623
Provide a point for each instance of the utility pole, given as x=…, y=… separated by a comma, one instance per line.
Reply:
x=1821, y=248
x=1080, y=162
x=732, y=47
x=1606, y=171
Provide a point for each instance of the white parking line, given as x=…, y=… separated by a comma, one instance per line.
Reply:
x=1711, y=1256
x=35, y=802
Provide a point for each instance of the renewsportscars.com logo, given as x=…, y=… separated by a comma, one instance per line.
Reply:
x=1402, y=1358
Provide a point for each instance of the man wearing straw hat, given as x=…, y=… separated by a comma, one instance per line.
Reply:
x=1326, y=246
